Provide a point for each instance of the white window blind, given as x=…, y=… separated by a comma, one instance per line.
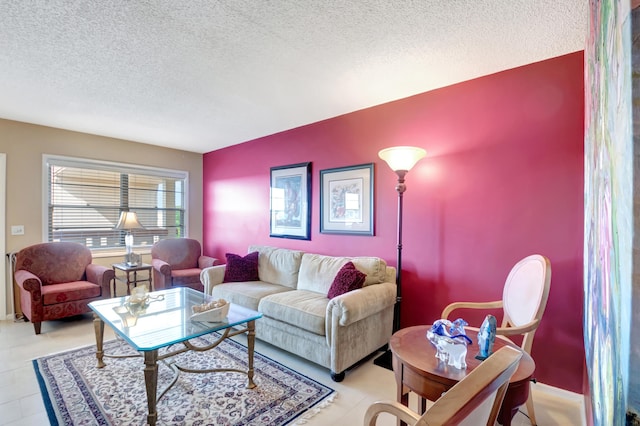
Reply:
x=85, y=199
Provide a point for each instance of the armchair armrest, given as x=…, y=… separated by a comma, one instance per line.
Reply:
x=101, y=275
x=517, y=330
x=359, y=304
x=207, y=262
x=30, y=296
x=394, y=408
x=27, y=281
x=211, y=277
x=162, y=267
x=470, y=305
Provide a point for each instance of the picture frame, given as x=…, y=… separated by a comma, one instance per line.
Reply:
x=290, y=201
x=346, y=200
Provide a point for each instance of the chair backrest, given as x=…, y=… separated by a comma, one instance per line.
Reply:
x=476, y=399
x=54, y=263
x=180, y=253
x=525, y=294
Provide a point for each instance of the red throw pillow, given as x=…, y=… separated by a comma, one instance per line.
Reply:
x=241, y=268
x=347, y=279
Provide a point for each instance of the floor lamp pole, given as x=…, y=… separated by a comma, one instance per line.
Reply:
x=384, y=360
x=400, y=187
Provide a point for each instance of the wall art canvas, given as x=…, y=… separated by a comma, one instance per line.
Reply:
x=346, y=200
x=608, y=210
x=290, y=201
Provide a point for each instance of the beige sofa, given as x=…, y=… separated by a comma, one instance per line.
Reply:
x=297, y=315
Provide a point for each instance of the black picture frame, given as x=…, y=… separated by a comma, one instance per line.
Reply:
x=290, y=201
x=346, y=200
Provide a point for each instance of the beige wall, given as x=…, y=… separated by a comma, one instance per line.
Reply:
x=25, y=144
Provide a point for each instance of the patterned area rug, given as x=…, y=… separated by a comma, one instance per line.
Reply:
x=75, y=392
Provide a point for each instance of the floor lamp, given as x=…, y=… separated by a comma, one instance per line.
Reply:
x=400, y=159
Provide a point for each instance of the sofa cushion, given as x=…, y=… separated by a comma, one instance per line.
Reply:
x=277, y=265
x=318, y=271
x=347, y=279
x=247, y=294
x=301, y=308
x=68, y=292
x=374, y=267
x=240, y=269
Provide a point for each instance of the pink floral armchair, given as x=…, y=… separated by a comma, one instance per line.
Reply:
x=58, y=280
x=177, y=262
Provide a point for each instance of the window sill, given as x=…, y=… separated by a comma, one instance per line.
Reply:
x=98, y=254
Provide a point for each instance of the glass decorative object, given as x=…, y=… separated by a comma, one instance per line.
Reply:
x=486, y=337
x=450, y=341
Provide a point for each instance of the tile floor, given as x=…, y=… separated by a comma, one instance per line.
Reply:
x=21, y=403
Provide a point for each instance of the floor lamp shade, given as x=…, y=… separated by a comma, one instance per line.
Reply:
x=402, y=157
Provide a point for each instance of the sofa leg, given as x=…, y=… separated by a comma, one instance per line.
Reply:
x=337, y=377
x=37, y=327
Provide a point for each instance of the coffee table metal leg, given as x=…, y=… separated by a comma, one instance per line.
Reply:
x=151, y=383
x=251, y=340
x=98, y=327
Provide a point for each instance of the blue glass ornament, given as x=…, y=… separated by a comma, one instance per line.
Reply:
x=486, y=337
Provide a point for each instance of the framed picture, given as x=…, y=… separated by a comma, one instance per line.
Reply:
x=346, y=200
x=290, y=201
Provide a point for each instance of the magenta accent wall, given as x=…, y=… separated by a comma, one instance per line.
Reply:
x=503, y=178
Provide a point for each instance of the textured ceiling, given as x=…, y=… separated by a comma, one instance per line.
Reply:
x=199, y=75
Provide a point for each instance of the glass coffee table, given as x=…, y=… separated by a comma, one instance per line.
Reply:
x=163, y=321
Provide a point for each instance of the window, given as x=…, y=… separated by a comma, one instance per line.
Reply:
x=85, y=199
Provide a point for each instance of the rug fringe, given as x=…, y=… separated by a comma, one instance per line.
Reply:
x=315, y=410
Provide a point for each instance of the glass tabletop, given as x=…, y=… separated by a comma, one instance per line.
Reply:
x=165, y=318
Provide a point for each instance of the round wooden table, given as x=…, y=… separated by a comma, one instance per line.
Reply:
x=418, y=370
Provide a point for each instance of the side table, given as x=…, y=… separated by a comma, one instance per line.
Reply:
x=417, y=369
x=130, y=276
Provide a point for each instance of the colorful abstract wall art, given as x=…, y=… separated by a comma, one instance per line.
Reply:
x=608, y=210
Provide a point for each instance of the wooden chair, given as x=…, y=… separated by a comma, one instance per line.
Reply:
x=524, y=299
x=474, y=400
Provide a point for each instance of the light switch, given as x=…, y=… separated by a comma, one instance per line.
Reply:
x=17, y=230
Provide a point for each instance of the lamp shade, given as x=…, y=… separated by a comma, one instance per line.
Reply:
x=129, y=220
x=402, y=157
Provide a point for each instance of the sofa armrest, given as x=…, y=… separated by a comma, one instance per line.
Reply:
x=207, y=262
x=359, y=304
x=101, y=275
x=28, y=281
x=211, y=277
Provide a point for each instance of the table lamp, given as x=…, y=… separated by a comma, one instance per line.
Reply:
x=129, y=221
